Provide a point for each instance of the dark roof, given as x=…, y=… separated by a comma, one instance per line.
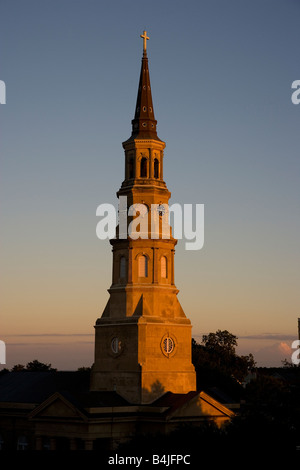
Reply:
x=174, y=400
x=95, y=399
x=35, y=387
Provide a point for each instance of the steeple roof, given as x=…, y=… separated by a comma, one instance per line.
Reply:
x=144, y=123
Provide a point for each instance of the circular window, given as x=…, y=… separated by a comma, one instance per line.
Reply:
x=144, y=109
x=144, y=124
x=116, y=345
x=168, y=345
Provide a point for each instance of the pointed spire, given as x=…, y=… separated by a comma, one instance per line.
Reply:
x=144, y=123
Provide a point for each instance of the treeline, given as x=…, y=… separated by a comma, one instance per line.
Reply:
x=37, y=366
x=267, y=421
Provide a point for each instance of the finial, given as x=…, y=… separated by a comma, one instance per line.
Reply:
x=145, y=37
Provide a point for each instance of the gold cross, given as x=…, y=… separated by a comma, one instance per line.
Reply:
x=145, y=37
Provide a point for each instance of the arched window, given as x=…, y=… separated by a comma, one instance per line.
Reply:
x=143, y=266
x=144, y=167
x=46, y=443
x=22, y=443
x=131, y=168
x=164, y=267
x=122, y=267
x=156, y=168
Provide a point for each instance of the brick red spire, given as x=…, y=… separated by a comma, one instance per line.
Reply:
x=144, y=123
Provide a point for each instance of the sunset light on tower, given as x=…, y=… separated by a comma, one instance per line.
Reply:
x=150, y=228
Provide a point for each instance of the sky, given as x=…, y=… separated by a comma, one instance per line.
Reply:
x=221, y=75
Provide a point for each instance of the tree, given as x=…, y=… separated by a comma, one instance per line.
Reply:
x=287, y=364
x=37, y=366
x=220, y=342
x=18, y=368
x=221, y=348
x=216, y=361
x=84, y=369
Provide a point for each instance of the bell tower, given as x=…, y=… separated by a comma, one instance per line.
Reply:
x=143, y=338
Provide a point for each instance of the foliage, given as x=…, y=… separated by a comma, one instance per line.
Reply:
x=217, y=355
x=288, y=364
x=33, y=366
x=18, y=368
x=267, y=422
x=221, y=342
x=36, y=366
x=84, y=369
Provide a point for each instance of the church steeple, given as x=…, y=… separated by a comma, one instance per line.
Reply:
x=144, y=123
x=143, y=338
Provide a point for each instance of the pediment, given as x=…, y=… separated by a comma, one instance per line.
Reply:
x=201, y=405
x=57, y=406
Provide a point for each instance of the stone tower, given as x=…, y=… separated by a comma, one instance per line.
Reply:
x=143, y=338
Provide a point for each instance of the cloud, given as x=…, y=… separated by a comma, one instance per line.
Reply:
x=262, y=336
x=270, y=336
x=47, y=334
x=285, y=349
x=63, y=356
x=48, y=343
x=273, y=355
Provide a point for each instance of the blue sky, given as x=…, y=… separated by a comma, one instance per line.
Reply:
x=221, y=75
